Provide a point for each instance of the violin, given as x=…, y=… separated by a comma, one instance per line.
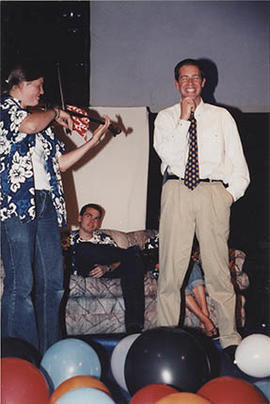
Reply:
x=113, y=129
x=81, y=113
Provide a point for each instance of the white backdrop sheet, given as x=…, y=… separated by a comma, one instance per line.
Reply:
x=115, y=173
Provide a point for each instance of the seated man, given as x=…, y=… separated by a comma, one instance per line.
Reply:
x=89, y=252
x=195, y=297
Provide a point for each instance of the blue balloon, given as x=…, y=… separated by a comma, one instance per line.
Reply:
x=70, y=357
x=85, y=395
x=264, y=386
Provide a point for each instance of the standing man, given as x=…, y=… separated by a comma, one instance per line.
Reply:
x=90, y=252
x=206, y=171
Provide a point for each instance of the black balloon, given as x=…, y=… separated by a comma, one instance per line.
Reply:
x=18, y=348
x=167, y=355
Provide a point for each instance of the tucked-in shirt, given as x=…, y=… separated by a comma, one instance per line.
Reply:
x=16, y=166
x=220, y=150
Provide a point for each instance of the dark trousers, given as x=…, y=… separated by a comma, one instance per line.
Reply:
x=130, y=271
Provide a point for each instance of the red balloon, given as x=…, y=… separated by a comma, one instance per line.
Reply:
x=224, y=390
x=22, y=383
x=152, y=393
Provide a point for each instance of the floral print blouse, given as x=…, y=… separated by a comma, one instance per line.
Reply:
x=16, y=168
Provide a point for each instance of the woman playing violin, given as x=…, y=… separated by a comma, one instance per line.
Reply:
x=32, y=208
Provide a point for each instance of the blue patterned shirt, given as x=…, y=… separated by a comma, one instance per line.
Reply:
x=16, y=168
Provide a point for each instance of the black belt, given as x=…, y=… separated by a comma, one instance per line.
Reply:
x=174, y=177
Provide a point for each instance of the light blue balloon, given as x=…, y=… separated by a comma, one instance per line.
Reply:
x=264, y=386
x=70, y=357
x=85, y=395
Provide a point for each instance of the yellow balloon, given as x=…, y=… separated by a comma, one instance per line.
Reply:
x=184, y=398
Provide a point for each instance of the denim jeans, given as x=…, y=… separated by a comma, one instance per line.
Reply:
x=195, y=279
x=33, y=284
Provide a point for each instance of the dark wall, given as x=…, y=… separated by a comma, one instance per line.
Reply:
x=55, y=33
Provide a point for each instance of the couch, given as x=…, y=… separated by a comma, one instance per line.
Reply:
x=95, y=306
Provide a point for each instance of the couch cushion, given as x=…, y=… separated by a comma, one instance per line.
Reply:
x=96, y=288
x=120, y=237
x=125, y=240
x=139, y=237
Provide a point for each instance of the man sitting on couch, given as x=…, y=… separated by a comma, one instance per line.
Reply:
x=90, y=252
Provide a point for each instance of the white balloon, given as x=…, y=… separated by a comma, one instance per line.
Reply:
x=118, y=359
x=252, y=356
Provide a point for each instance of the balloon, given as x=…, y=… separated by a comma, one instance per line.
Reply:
x=231, y=390
x=68, y=358
x=264, y=387
x=22, y=383
x=184, y=398
x=152, y=393
x=166, y=355
x=76, y=383
x=85, y=395
x=252, y=356
x=118, y=359
x=18, y=348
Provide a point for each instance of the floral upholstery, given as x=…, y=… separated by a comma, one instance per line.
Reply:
x=96, y=306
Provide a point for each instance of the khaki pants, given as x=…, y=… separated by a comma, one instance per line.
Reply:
x=206, y=212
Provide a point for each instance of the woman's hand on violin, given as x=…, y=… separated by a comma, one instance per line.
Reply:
x=63, y=118
x=101, y=129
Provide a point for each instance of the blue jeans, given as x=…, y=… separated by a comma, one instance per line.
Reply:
x=195, y=279
x=33, y=284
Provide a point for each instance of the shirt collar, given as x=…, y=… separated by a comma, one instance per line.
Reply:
x=199, y=108
x=19, y=102
x=77, y=236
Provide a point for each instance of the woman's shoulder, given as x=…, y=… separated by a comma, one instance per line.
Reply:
x=8, y=104
x=6, y=99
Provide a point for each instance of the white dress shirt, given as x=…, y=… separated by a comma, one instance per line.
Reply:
x=220, y=150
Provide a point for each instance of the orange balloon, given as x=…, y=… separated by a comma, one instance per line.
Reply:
x=22, y=383
x=224, y=390
x=152, y=393
x=184, y=398
x=77, y=382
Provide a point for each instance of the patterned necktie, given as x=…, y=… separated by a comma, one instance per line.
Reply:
x=191, y=179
